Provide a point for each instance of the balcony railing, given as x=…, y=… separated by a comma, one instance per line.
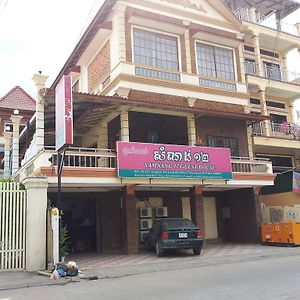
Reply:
x=284, y=130
x=87, y=158
x=274, y=73
x=269, y=21
x=106, y=159
x=251, y=165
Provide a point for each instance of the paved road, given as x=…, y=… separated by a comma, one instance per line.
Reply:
x=265, y=278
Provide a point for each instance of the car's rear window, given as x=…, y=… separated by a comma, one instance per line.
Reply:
x=178, y=223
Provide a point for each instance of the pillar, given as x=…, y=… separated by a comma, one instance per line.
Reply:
x=253, y=15
x=292, y=113
x=298, y=28
x=258, y=210
x=36, y=188
x=197, y=210
x=260, y=68
x=16, y=120
x=264, y=112
x=39, y=81
x=129, y=221
x=124, y=126
x=7, y=144
x=191, y=130
x=103, y=136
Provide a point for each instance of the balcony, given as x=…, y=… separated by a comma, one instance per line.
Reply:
x=87, y=162
x=284, y=130
x=272, y=72
x=269, y=21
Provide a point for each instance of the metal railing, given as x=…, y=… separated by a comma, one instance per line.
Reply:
x=269, y=21
x=87, y=158
x=251, y=165
x=273, y=73
x=284, y=130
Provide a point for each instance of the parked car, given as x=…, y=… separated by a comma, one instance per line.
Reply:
x=174, y=233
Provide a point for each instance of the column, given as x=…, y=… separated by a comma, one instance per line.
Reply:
x=252, y=15
x=7, y=144
x=264, y=112
x=36, y=223
x=15, y=142
x=298, y=28
x=186, y=36
x=291, y=110
x=103, y=136
x=130, y=239
x=124, y=126
x=258, y=207
x=39, y=81
x=260, y=69
x=197, y=210
x=191, y=130
x=284, y=69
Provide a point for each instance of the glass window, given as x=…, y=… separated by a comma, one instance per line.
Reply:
x=155, y=50
x=215, y=62
x=224, y=142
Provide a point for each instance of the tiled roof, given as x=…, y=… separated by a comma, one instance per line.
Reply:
x=17, y=98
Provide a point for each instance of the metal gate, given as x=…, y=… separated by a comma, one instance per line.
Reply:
x=12, y=226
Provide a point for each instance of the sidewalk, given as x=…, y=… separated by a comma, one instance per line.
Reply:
x=113, y=266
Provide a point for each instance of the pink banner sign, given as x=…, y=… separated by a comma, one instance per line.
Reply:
x=172, y=161
x=63, y=113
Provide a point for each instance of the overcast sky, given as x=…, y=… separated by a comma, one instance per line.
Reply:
x=39, y=35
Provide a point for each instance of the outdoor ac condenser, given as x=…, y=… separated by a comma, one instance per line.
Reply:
x=161, y=212
x=145, y=212
x=145, y=224
x=143, y=235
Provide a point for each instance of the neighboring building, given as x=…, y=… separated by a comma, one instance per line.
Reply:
x=169, y=73
x=15, y=102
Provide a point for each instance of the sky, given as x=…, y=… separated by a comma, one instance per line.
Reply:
x=39, y=35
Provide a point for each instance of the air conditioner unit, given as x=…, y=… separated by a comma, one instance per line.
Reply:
x=145, y=212
x=143, y=235
x=145, y=224
x=161, y=212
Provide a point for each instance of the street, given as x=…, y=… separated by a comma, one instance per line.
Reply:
x=265, y=278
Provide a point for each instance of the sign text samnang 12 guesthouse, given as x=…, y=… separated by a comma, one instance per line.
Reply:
x=141, y=160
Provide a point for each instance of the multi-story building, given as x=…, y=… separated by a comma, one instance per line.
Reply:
x=162, y=73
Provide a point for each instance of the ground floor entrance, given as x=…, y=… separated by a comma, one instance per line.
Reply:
x=118, y=221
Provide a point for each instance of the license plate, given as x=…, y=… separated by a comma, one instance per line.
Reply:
x=183, y=234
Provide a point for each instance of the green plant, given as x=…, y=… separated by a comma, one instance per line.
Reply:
x=64, y=242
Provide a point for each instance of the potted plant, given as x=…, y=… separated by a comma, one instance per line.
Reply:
x=64, y=243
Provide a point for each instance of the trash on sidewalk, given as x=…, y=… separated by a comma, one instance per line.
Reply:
x=64, y=270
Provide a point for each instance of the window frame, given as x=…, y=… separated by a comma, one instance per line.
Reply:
x=163, y=33
x=223, y=138
x=222, y=47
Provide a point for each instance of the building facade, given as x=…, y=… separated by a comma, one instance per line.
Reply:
x=164, y=73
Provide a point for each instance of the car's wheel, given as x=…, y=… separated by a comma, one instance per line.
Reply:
x=159, y=250
x=197, y=251
x=147, y=245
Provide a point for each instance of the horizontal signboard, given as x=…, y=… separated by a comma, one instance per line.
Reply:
x=141, y=160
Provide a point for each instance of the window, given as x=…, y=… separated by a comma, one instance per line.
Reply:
x=250, y=66
x=278, y=119
x=275, y=104
x=272, y=71
x=154, y=49
x=215, y=62
x=255, y=101
x=224, y=142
